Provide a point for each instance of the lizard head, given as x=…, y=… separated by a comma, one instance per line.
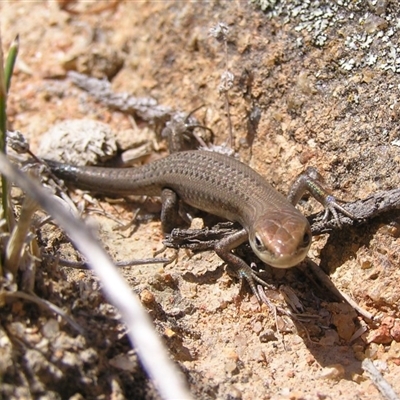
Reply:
x=281, y=238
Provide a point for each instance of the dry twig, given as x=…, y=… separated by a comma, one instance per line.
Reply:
x=378, y=380
x=363, y=211
x=145, y=108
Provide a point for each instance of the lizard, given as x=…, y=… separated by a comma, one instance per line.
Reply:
x=278, y=233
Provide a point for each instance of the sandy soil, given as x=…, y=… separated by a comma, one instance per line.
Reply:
x=313, y=85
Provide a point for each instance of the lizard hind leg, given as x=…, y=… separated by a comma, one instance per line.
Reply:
x=170, y=211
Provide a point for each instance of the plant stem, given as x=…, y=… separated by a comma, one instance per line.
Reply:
x=10, y=62
x=5, y=82
x=3, y=128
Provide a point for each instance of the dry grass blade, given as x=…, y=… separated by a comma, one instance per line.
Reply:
x=46, y=305
x=152, y=354
x=16, y=242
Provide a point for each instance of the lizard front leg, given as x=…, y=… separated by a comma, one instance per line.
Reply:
x=240, y=268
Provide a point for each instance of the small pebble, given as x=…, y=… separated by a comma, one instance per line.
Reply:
x=147, y=297
x=268, y=335
x=51, y=328
x=123, y=362
x=334, y=372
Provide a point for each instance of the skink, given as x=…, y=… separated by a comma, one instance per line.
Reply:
x=221, y=185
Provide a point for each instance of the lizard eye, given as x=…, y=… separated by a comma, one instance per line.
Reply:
x=306, y=238
x=258, y=242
